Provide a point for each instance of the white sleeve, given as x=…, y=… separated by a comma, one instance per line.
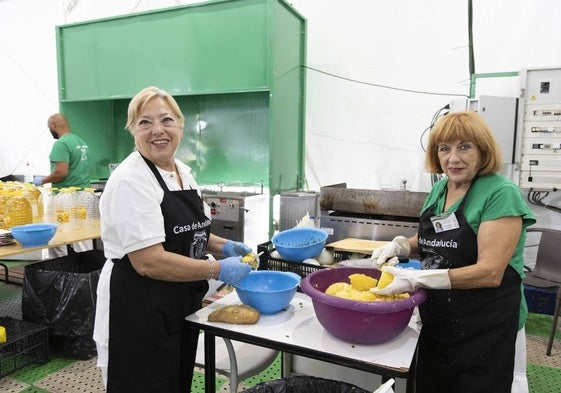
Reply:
x=131, y=216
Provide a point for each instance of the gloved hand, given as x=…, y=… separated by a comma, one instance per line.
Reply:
x=233, y=249
x=38, y=180
x=388, y=253
x=407, y=280
x=232, y=270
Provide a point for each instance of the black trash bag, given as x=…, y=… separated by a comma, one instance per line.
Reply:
x=61, y=293
x=305, y=384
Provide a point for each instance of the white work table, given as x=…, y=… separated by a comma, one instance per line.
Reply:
x=296, y=330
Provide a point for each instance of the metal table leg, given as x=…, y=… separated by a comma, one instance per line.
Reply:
x=210, y=363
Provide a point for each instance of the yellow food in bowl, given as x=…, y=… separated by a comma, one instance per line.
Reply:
x=359, y=288
x=364, y=296
x=385, y=280
x=362, y=282
x=337, y=287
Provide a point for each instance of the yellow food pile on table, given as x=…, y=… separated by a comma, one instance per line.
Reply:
x=359, y=288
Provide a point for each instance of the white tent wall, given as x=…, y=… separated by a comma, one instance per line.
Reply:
x=28, y=78
x=378, y=70
x=357, y=131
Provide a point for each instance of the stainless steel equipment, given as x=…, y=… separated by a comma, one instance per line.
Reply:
x=239, y=216
x=295, y=205
x=369, y=214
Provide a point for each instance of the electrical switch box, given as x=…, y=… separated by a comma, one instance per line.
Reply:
x=539, y=145
x=500, y=114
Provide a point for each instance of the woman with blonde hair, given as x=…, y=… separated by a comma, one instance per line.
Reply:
x=155, y=229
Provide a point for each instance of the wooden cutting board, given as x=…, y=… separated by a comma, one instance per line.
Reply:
x=361, y=246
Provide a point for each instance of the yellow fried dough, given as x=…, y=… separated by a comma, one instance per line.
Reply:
x=385, y=280
x=362, y=282
x=336, y=287
x=252, y=260
x=359, y=288
x=238, y=314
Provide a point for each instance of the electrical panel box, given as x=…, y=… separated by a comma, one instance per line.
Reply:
x=539, y=124
x=500, y=114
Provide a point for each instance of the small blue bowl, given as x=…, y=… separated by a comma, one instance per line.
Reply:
x=33, y=235
x=299, y=243
x=268, y=291
x=412, y=264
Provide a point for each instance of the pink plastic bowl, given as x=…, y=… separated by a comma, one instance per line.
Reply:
x=355, y=321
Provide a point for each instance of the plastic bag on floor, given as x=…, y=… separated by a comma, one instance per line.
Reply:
x=61, y=293
x=305, y=384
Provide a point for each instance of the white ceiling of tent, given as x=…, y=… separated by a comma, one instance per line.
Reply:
x=377, y=73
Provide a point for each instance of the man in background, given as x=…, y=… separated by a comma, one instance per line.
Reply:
x=69, y=168
x=69, y=157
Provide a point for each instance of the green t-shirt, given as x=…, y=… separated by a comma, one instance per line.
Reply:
x=72, y=149
x=492, y=197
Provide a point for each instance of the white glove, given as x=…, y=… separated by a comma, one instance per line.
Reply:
x=407, y=280
x=386, y=387
x=388, y=253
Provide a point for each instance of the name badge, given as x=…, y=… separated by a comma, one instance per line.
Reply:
x=444, y=222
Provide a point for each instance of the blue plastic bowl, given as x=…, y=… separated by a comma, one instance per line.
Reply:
x=411, y=264
x=268, y=291
x=33, y=235
x=299, y=243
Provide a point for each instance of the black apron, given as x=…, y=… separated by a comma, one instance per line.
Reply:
x=150, y=348
x=467, y=342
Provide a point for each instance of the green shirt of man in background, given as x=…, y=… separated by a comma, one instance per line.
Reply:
x=69, y=157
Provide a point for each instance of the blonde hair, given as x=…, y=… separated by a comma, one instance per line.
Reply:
x=143, y=97
x=466, y=126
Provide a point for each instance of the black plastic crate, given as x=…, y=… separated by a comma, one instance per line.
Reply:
x=267, y=262
x=540, y=301
x=26, y=343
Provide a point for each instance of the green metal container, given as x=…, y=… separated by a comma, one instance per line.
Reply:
x=235, y=67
